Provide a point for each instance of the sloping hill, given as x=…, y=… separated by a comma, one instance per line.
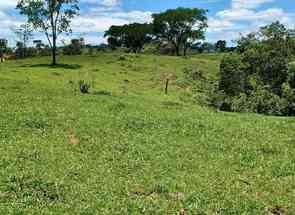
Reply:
x=127, y=148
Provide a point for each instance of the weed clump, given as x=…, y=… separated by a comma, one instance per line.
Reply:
x=84, y=86
x=122, y=58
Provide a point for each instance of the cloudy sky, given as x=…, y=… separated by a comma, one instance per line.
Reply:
x=227, y=18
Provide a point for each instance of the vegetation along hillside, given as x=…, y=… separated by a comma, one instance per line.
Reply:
x=115, y=108
x=126, y=147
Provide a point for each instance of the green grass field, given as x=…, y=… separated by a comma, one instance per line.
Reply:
x=127, y=148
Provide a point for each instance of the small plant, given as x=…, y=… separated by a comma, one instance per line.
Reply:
x=122, y=58
x=84, y=86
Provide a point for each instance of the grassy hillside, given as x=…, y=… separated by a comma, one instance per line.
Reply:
x=126, y=148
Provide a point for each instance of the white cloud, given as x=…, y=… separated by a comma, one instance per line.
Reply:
x=99, y=17
x=245, y=16
x=216, y=25
x=110, y=3
x=103, y=3
x=250, y=15
x=7, y=4
x=248, y=4
x=101, y=21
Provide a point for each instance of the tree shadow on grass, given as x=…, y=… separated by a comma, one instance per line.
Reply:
x=102, y=93
x=58, y=66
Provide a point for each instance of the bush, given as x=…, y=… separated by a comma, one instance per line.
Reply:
x=193, y=74
x=232, y=77
x=289, y=96
x=291, y=75
x=84, y=86
x=261, y=100
x=75, y=48
x=259, y=79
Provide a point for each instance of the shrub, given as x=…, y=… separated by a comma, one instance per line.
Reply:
x=75, y=48
x=193, y=74
x=289, y=96
x=122, y=58
x=84, y=86
x=291, y=75
x=261, y=100
x=259, y=78
x=232, y=77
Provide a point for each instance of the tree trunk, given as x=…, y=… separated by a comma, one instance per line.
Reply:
x=54, y=50
x=54, y=37
x=1, y=56
x=24, y=48
x=184, y=49
x=177, y=50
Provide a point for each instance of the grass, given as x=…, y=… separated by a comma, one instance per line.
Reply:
x=126, y=148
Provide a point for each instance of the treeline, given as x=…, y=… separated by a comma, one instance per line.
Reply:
x=38, y=48
x=178, y=28
x=172, y=32
x=259, y=76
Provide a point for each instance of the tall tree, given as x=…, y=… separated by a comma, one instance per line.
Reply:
x=114, y=36
x=180, y=26
x=136, y=35
x=220, y=46
x=51, y=17
x=24, y=34
x=132, y=36
x=3, y=47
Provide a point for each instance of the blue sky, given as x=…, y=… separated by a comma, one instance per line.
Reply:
x=227, y=19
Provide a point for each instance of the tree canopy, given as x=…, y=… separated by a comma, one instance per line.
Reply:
x=220, y=46
x=50, y=16
x=132, y=36
x=180, y=26
x=259, y=77
x=24, y=34
x=3, y=47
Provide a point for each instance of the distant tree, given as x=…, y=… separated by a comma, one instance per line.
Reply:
x=276, y=35
x=24, y=34
x=220, y=46
x=75, y=48
x=19, y=52
x=132, y=36
x=207, y=47
x=3, y=47
x=197, y=46
x=51, y=17
x=180, y=26
x=136, y=35
x=38, y=44
x=114, y=36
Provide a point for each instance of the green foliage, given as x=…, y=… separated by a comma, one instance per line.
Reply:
x=220, y=46
x=75, y=48
x=259, y=78
x=51, y=17
x=24, y=34
x=180, y=26
x=291, y=75
x=132, y=36
x=3, y=48
x=261, y=100
x=3, y=43
x=232, y=76
x=289, y=96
